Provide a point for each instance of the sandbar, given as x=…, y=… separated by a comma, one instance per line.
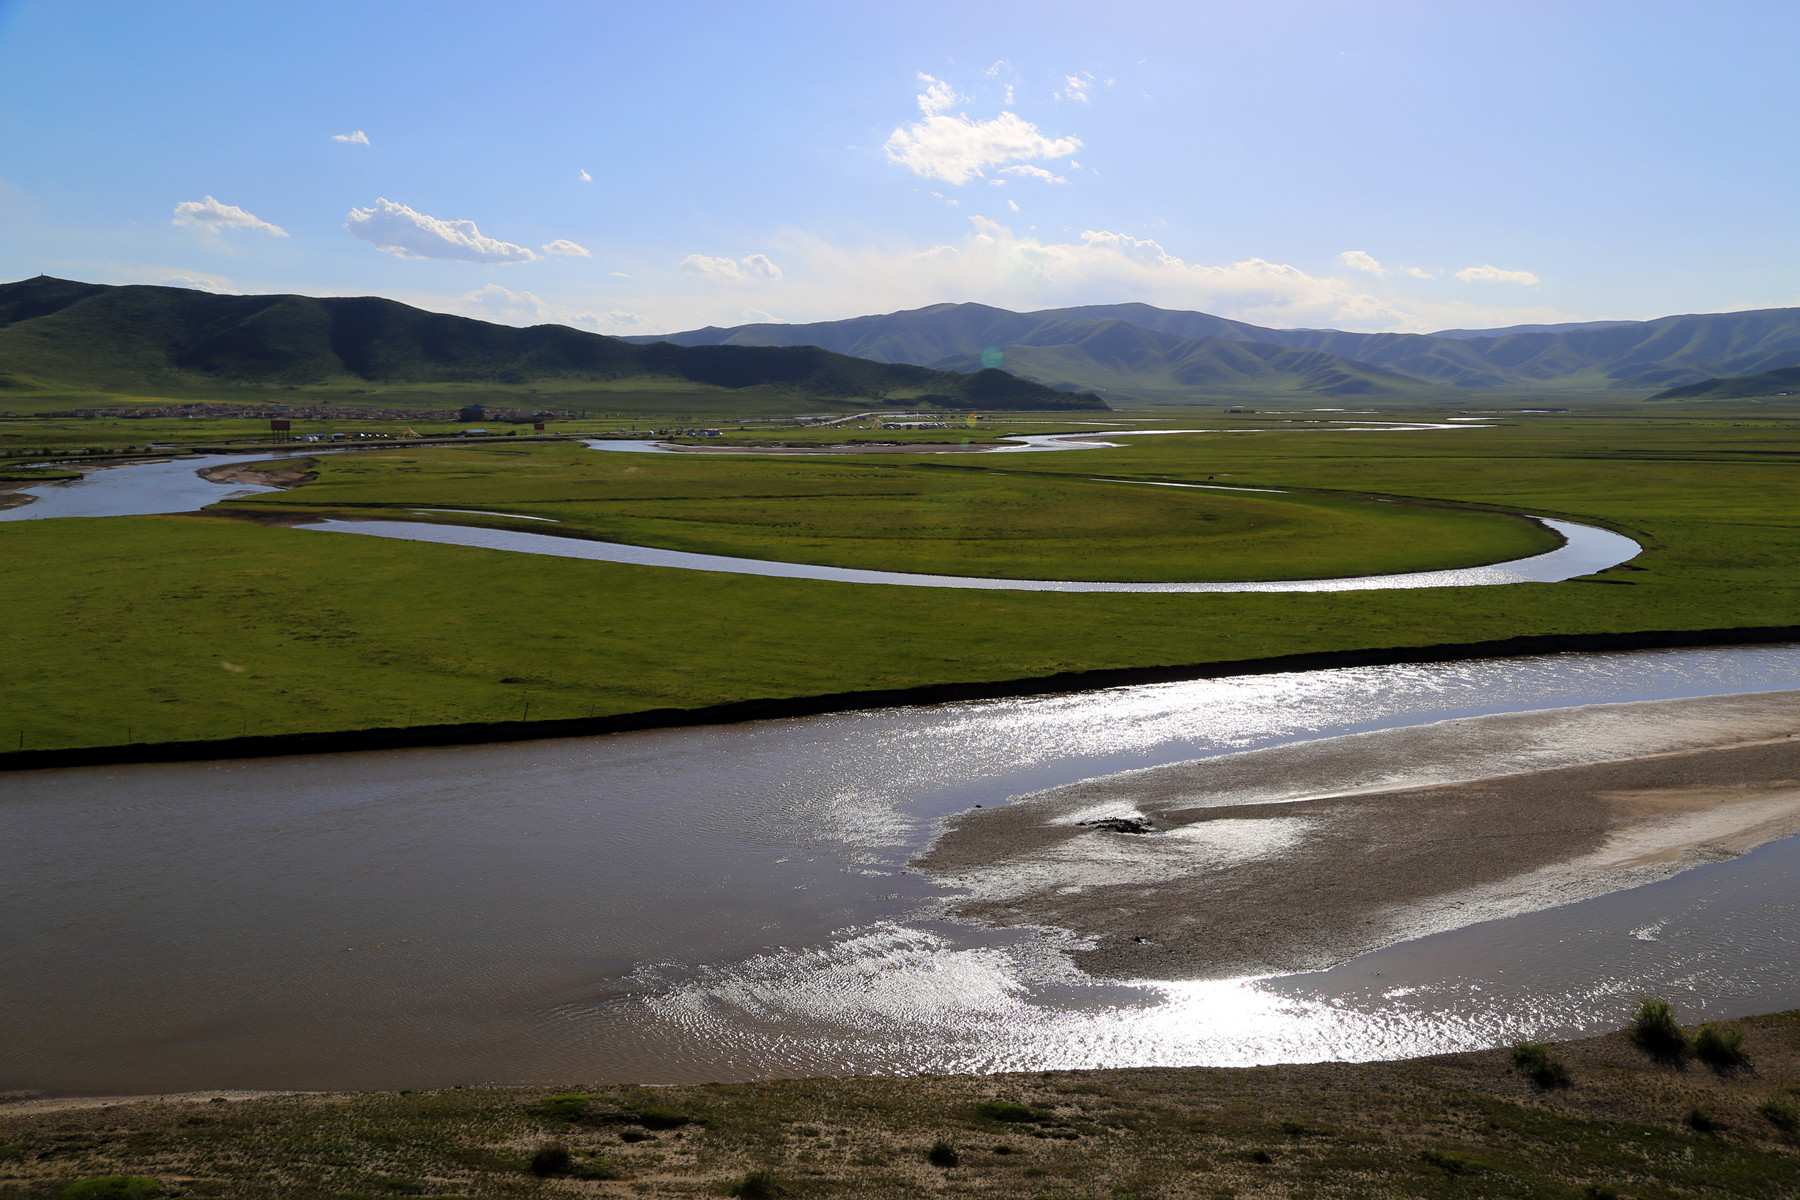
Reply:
x=1297, y=857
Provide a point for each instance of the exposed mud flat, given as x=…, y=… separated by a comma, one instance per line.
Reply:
x=1298, y=857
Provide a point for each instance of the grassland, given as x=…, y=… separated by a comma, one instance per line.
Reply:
x=1608, y=1120
x=933, y=516
x=169, y=628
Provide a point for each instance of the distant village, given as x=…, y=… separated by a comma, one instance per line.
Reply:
x=321, y=412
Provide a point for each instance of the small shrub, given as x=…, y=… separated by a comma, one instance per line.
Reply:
x=113, y=1187
x=561, y=1108
x=1720, y=1047
x=1654, y=1029
x=758, y=1185
x=1260, y=1156
x=1701, y=1121
x=636, y=1135
x=1000, y=1110
x=551, y=1160
x=1541, y=1065
x=943, y=1154
x=651, y=1117
x=1780, y=1112
x=1010, y=1150
x=1450, y=1164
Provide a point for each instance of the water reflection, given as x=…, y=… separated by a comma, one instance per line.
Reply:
x=726, y=902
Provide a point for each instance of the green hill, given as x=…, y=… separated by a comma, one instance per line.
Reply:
x=1783, y=381
x=55, y=334
x=1188, y=356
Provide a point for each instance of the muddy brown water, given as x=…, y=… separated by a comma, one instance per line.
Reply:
x=732, y=902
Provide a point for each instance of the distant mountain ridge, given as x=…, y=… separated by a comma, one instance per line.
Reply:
x=55, y=332
x=1105, y=347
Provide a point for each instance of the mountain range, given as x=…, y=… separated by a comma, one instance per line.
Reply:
x=1136, y=352
x=58, y=334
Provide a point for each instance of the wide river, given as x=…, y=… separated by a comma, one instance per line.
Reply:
x=732, y=902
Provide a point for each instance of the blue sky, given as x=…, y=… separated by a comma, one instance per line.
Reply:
x=646, y=168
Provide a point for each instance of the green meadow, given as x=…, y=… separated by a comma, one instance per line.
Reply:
x=209, y=625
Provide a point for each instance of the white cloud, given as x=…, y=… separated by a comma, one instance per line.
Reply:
x=760, y=266
x=584, y=176
x=1000, y=64
x=398, y=230
x=1008, y=101
x=1416, y=273
x=214, y=217
x=200, y=283
x=1030, y=172
x=1362, y=260
x=495, y=303
x=1013, y=204
x=1493, y=274
x=956, y=149
x=756, y=266
x=355, y=137
x=613, y=321
x=759, y=317
x=564, y=248
x=620, y=274
x=1076, y=87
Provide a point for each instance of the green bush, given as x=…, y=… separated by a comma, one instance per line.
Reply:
x=943, y=1155
x=1720, y=1047
x=564, y=1108
x=1780, y=1112
x=651, y=1117
x=552, y=1160
x=1702, y=1121
x=1541, y=1065
x=758, y=1185
x=113, y=1187
x=1654, y=1029
x=1001, y=1110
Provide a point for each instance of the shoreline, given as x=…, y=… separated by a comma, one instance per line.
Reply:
x=349, y=741
x=1471, y=1123
x=1298, y=857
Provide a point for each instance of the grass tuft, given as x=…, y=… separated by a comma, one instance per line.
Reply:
x=552, y=1161
x=1541, y=1065
x=758, y=1185
x=1720, y=1047
x=1001, y=1110
x=943, y=1154
x=113, y=1187
x=1654, y=1029
x=1780, y=1111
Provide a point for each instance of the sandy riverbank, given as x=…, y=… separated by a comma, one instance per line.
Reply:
x=1297, y=857
x=280, y=474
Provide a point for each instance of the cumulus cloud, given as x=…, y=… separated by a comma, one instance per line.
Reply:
x=737, y=270
x=956, y=148
x=1488, y=273
x=1416, y=273
x=405, y=233
x=214, y=217
x=1030, y=172
x=1013, y=204
x=495, y=303
x=564, y=248
x=1362, y=260
x=507, y=307
x=355, y=137
x=584, y=176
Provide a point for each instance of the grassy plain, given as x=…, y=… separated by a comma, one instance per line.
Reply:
x=959, y=515
x=165, y=628
x=1460, y=1125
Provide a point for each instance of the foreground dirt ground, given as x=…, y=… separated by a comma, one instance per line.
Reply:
x=1456, y=1125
